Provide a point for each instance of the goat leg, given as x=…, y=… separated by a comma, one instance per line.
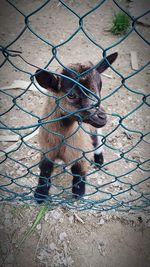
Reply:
x=44, y=183
x=78, y=183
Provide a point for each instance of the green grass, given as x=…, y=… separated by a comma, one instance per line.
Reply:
x=37, y=220
x=120, y=24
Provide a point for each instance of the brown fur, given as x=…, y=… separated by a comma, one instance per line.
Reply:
x=75, y=141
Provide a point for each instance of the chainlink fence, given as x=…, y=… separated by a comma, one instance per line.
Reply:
x=122, y=182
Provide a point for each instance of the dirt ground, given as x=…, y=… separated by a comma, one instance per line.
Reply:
x=67, y=237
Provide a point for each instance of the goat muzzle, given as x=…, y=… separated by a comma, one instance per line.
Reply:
x=96, y=118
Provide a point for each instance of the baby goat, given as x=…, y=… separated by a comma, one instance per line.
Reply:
x=61, y=136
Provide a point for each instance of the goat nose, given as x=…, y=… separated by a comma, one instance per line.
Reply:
x=101, y=113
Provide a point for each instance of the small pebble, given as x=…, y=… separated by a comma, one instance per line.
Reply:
x=56, y=215
x=62, y=236
x=101, y=222
x=71, y=219
x=38, y=227
x=52, y=246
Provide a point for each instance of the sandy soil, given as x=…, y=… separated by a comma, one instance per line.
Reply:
x=66, y=237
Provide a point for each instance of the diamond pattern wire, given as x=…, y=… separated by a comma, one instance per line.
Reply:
x=116, y=191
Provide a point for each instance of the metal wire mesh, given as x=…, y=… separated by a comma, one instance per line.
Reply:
x=122, y=182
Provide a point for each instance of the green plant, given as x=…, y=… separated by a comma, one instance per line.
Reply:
x=37, y=220
x=120, y=23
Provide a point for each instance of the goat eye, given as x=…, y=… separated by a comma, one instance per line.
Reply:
x=72, y=96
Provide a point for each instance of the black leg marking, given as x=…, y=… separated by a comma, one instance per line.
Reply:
x=78, y=183
x=99, y=158
x=94, y=140
x=41, y=192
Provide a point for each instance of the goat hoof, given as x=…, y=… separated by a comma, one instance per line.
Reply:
x=77, y=197
x=78, y=192
x=40, y=197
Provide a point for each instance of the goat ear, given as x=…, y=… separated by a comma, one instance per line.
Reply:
x=46, y=80
x=104, y=65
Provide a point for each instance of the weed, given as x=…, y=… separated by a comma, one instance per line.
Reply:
x=120, y=23
x=37, y=220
